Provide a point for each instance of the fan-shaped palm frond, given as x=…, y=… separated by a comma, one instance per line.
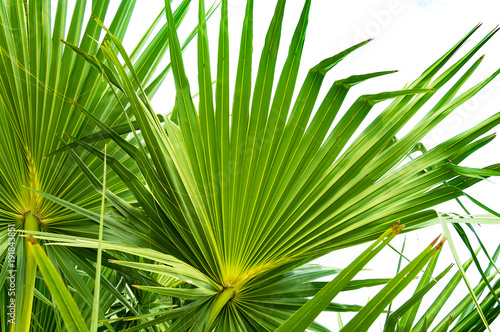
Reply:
x=238, y=196
x=39, y=75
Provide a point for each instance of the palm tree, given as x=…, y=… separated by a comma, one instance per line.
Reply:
x=38, y=76
x=217, y=210
x=235, y=200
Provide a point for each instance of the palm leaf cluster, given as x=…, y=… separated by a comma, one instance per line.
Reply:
x=217, y=209
x=245, y=193
x=38, y=75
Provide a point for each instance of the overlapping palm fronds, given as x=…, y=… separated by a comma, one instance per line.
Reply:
x=39, y=75
x=239, y=197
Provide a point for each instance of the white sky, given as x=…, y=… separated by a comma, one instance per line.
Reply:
x=409, y=36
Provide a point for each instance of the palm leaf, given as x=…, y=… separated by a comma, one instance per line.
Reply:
x=39, y=75
x=244, y=194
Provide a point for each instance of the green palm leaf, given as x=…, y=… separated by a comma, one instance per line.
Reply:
x=39, y=76
x=240, y=195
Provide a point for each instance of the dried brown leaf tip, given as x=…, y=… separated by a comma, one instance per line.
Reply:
x=399, y=230
x=396, y=224
x=440, y=244
x=435, y=240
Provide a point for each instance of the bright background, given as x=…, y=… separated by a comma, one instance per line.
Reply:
x=409, y=36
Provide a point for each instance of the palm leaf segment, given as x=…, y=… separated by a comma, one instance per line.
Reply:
x=247, y=192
